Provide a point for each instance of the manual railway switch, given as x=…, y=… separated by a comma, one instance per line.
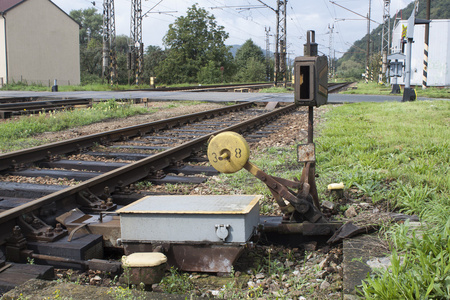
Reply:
x=228, y=152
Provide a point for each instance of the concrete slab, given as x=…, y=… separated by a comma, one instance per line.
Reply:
x=17, y=274
x=159, y=96
x=358, y=252
x=202, y=96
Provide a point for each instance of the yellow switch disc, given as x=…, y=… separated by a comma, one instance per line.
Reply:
x=228, y=152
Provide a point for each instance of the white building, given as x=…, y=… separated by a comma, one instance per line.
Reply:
x=438, y=52
x=38, y=43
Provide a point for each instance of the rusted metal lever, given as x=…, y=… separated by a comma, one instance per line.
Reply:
x=301, y=205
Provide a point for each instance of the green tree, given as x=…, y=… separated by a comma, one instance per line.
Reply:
x=91, y=24
x=193, y=41
x=90, y=43
x=122, y=44
x=250, y=63
x=253, y=71
x=121, y=57
x=350, y=69
x=153, y=56
x=209, y=73
x=248, y=50
x=90, y=62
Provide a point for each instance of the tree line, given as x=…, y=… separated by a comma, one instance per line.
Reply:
x=195, y=52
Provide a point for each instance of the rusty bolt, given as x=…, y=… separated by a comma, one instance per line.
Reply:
x=49, y=232
x=17, y=232
x=58, y=228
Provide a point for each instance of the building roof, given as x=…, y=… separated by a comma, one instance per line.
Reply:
x=6, y=5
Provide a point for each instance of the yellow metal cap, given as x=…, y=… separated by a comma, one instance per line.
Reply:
x=228, y=152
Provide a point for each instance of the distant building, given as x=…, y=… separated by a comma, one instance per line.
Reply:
x=39, y=42
x=438, y=52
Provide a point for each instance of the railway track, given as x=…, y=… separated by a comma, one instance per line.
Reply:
x=336, y=87
x=19, y=106
x=13, y=106
x=10, y=107
x=98, y=183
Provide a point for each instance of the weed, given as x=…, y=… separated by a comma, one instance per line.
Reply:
x=176, y=282
x=126, y=293
x=423, y=273
x=142, y=185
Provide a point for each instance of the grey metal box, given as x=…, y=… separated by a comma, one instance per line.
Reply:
x=311, y=80
x=199, y=218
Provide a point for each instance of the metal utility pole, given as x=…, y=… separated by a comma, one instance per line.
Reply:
x=331, y=48
x=425, y=49
x=109, y=66
x=385, y=39
x=136, y=46
x=368, y=43
x=267, y=29
x=281, y=26
x=282, y=38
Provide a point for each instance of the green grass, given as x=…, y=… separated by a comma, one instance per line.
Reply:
x=18, y=133
x=373, y=88
x=398, y=153
x=393, y=153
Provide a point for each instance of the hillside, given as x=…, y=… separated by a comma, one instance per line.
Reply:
x=357, y=55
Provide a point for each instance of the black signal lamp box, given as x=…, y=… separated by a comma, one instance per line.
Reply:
x=311, y=80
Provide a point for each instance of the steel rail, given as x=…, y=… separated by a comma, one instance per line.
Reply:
x=333, y=87
x=43, y=104
x=15, y=158
x=128, y=174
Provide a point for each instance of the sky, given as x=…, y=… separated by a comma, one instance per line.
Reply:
x=243, y=24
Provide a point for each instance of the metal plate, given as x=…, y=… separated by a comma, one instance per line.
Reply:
x=192, y=204
x=306, y=152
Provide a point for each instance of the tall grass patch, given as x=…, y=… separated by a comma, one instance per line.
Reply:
x=16, y=133
x=399, y=153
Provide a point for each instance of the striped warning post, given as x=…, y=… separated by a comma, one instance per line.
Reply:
x=366, y=75
x=425, y=66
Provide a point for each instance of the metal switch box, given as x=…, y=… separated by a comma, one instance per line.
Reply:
x=199, y=219
x=311, y=80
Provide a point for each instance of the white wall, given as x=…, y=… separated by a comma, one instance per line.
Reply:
x=438, y=52
x=2, y=51
x=42, y=44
